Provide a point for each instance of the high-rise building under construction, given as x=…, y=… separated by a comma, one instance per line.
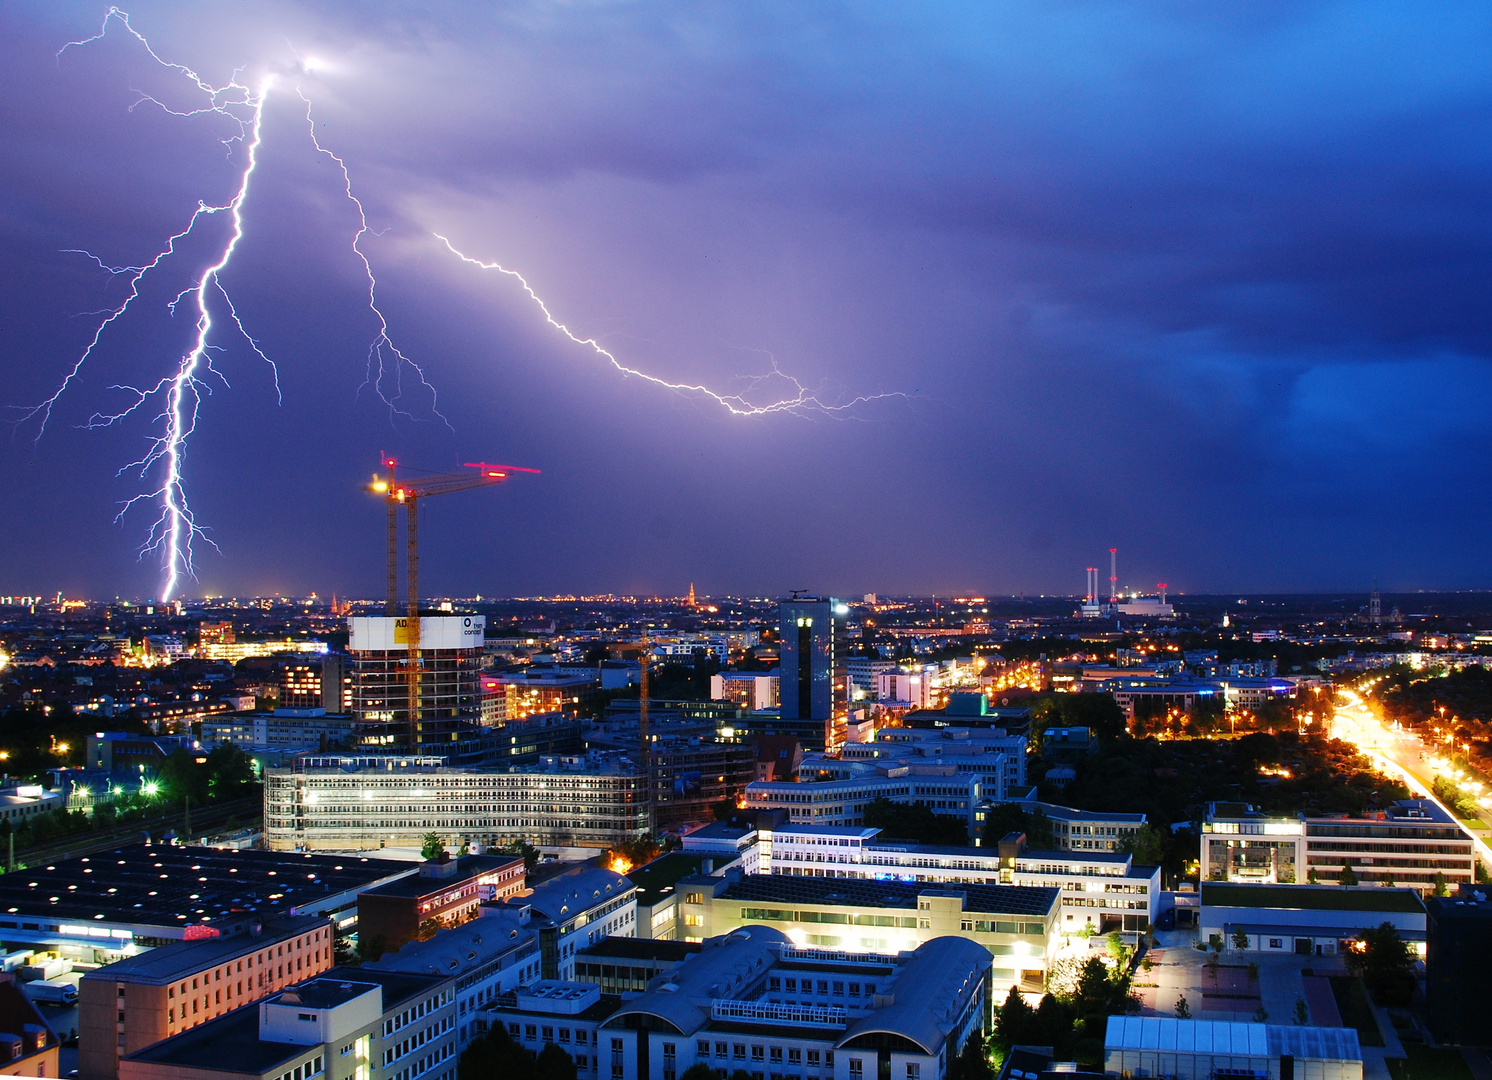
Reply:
x=445, y=720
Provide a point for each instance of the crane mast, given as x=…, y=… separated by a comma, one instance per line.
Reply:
x=408, y=493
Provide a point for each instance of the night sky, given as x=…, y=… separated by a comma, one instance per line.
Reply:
x=1208, y=283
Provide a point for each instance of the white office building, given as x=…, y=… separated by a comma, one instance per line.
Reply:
x=750, y=1000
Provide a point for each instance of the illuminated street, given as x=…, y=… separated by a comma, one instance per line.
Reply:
x=1399, y=752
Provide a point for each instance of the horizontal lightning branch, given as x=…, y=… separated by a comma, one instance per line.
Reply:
x=801, y=400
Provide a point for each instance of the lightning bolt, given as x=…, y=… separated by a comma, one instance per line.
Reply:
x=801, y=400
x=382, y=346
x=179, y=394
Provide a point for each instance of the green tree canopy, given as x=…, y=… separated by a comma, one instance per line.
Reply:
x=917, y=823
x=495, y=1054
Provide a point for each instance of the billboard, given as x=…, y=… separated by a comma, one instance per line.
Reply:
x=382, y=634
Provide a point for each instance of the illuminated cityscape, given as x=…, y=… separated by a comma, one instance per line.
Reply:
x=995, y=587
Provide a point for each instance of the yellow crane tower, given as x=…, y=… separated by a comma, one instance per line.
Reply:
x=407, y=493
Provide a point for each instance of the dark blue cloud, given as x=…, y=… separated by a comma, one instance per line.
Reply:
x=1207, y=284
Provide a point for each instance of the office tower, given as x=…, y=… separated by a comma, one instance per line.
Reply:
x=814, y=680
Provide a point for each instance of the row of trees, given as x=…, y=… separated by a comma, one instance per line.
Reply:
x=225, y=773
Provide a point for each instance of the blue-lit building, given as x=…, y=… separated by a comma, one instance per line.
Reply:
x=814, y=677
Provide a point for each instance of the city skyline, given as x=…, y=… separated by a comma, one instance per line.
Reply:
x=1202, y=287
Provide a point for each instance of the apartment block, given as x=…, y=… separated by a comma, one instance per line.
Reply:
x=139, y=1001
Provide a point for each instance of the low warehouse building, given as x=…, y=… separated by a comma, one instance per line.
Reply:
x=1136, y=1046
x=1307, y=919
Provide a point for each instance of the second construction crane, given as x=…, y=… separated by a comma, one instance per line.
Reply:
x=398, y=492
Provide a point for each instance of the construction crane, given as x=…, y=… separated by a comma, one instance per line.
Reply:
x=408, y=493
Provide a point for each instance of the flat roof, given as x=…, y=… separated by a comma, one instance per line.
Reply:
x=827, y=830
x=852, y=892
x=627, y=948
x=169, y=885
x=323, y=993
x=167, y=963
x=231, y=1043
x=467, y=867
x=656, y=880
x=1311, y=897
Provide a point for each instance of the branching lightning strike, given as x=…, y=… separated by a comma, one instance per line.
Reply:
x=175, y=529
x=179, y=393
x=802, y=400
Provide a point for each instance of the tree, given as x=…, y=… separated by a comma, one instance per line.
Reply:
x=698, y=1071
x=495, y=1054
x=1312, y=878
x=182, y=777
x=230, y=771
x=433, y=846
x=917, y=823
x=1442, y=886
x=554, y=1064
x=1004, y=818
x=1348, y=877
x=1015, y=1022
x=1183, y=1009
x=1241, y=939
x=1384, y=961
x=1261, y=1015
x=1302, y=1015
x=971, y=1063
x=1147, y=844
x=1253, y=972
x=520, y=847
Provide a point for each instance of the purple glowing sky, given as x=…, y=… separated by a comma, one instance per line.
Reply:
x=1211, y=287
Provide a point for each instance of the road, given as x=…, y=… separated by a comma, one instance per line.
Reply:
x=1400, y=753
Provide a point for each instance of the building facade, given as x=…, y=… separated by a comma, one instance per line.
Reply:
x=1018, y=926
x=484, y=958
x=446, y=719
x=1319, y=920
x=1412, y=842
x=942, y=790
x=1458, y=979
x=29, y=1046
x=813, y=680
x=1100, y=890
x=362, y=802
x=347, y=1024
x=445, y=892
x=752, y=1001
x=307, y=684
x=141, y=1000
x=572, y=912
